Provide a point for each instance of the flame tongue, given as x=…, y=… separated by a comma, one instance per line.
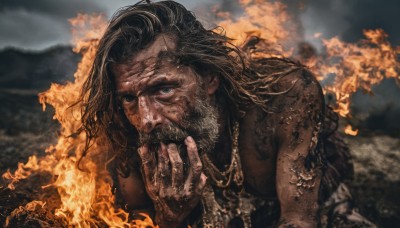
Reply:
x=356, y=66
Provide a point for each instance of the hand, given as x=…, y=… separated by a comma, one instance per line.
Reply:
x=174, y=195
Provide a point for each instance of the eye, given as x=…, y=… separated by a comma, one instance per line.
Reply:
x=165, y=90
x=127, y=98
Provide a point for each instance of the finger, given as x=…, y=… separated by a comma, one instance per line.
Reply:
x=202, y=183
x=196, y=166
x=148, y=164
x=176, y=164
x=163, y=165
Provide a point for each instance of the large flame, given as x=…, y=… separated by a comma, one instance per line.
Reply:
x=85, y=192
x=354, y=66
x=86, y=196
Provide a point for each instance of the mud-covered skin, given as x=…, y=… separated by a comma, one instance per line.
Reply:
x=273, y=146
x=154, y=92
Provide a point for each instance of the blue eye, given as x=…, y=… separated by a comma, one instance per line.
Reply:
x=165, y=90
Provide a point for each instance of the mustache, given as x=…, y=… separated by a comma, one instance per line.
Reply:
x=163, y=134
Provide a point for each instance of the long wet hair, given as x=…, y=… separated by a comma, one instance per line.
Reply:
x=206, y=51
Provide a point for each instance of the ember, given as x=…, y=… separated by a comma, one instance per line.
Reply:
x=84, y=185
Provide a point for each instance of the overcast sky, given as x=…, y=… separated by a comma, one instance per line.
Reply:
x=38, y=24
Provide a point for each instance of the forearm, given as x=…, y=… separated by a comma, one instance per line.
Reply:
x=298, y=195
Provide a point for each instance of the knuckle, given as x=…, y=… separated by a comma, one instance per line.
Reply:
x=198, y=167
x=146, y=161
x=192, y=146
x=177, y=165
x=197, y=170
x=171, y=147
x=187, y=195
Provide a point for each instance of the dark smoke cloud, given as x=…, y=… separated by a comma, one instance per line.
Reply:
x=347, y=19
x=56, y=9
x=38, y=24
x=31, y=24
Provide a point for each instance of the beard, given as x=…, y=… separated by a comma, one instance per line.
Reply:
x=200, y=122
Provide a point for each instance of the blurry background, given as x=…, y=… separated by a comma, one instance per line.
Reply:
x=35, y=50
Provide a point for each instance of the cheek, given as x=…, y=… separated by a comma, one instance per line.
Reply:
x=132, y=117
x=177, y=109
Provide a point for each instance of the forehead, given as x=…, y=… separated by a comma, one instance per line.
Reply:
x=145, y=60
x=162, y=43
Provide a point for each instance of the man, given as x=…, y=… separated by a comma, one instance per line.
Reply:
x=204, y=135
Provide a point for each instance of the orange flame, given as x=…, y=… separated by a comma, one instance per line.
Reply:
x=350, y=131
x=86, y=196
x=355, y=66
x=267, y=20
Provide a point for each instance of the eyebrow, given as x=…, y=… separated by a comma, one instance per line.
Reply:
x=161, y=80
x=153, y=83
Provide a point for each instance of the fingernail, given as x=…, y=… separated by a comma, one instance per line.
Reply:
x=189, y=139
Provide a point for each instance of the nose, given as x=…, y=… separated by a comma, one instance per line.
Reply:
x=149, y=117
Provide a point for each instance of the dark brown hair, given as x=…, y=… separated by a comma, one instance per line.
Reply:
x=207, y=51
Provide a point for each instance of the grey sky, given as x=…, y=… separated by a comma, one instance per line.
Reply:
x=38, y=24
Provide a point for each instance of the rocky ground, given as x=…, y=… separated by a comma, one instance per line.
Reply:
x=376, y=184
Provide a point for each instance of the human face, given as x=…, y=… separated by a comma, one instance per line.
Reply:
x=158, y=94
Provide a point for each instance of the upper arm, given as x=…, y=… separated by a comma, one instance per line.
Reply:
x=133, y=191
x=299, y=120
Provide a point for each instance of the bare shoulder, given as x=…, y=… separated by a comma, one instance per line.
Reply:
x=300, y=88
x=297, y=106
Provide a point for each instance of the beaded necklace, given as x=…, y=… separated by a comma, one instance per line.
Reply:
x=221, y=203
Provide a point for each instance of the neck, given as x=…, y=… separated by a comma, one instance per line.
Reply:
x=221, y=155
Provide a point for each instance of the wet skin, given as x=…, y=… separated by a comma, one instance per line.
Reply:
x=272, y=147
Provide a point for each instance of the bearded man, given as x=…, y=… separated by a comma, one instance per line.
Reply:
x=204, y=135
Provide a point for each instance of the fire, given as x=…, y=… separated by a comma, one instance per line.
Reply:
x=85, y=192
x=266, y=20
x=355, y=66
x=350, y=131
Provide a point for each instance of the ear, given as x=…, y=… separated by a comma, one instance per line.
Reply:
x=212, y=84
